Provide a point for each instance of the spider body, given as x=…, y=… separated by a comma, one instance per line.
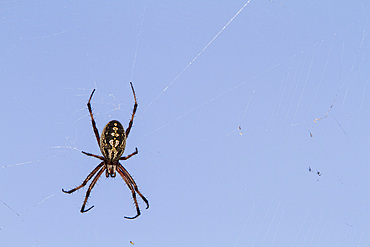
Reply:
x=112, y=144
x=113, y=141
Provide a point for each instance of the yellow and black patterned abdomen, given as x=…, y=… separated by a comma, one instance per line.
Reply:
x=113, y=140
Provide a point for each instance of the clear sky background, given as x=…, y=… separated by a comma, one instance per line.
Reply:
x=252, y=125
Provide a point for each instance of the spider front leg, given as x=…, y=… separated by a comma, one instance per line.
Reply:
x=86, y=180
x=127, y=181
x=132, y=181
x=89, y=190
x=133, y=112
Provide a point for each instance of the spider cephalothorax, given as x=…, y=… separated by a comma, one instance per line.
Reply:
x=112, y=144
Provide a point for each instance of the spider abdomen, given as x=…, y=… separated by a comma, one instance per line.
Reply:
x=113, y=140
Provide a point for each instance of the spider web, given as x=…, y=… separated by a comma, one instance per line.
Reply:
x=251, y=126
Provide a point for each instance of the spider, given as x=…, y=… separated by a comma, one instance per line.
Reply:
x=112, y=144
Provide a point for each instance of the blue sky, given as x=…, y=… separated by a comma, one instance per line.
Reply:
x=252, y=125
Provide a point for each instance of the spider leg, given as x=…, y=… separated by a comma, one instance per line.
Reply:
x=133, y=112
x=125, y=172
x=86, y=180
x=93, y=155
x=129, y=156
x=133, y=194
x=89, y=190
x=92, y=119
